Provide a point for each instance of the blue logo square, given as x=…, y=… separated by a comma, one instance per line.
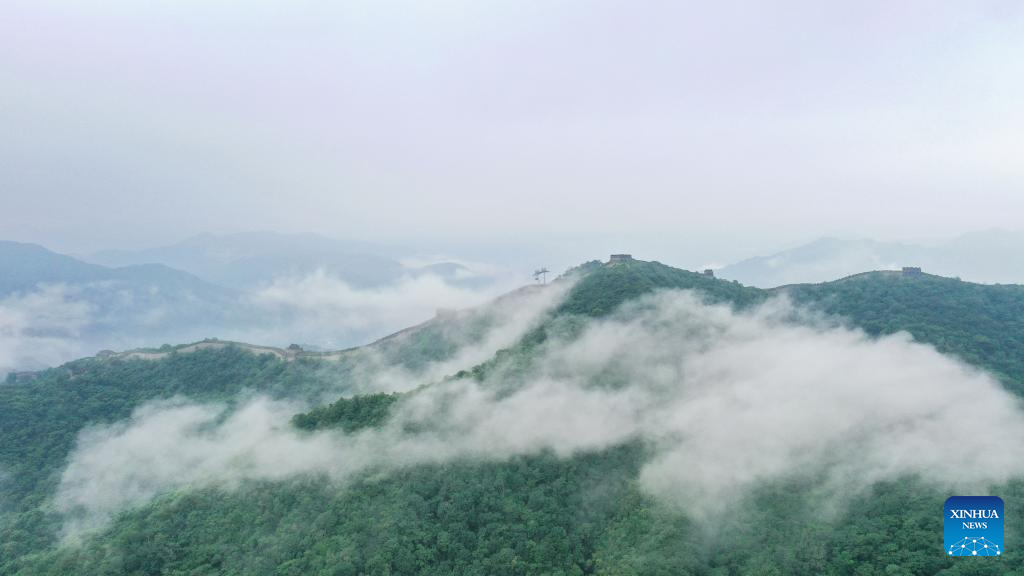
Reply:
x=974, y=526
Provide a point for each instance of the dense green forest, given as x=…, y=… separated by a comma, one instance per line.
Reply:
x=534, y=514
x=982, y=324
x=349, y=414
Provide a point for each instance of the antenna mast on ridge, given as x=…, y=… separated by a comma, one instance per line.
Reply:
x=541, y=275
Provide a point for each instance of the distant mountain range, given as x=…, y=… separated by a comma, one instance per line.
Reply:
x=54, y=307
x=251, y=260
x=269, y=287
x=993, y=256
x=324, y=294
x=26, y=266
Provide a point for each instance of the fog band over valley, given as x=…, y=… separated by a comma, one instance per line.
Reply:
x=725, y=399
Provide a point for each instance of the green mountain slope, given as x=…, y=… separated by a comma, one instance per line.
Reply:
x=602, y=288
x=536, y=514
x=41, y=417
x=983, y=324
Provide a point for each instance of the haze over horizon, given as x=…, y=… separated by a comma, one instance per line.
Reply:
x=691, y=133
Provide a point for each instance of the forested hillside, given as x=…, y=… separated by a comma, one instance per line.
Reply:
x=586, y=510
x=983, y=324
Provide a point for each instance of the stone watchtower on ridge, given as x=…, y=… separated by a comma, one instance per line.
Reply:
x=620, y=258
x=911, y=271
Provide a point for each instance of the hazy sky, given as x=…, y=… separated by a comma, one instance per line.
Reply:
x=687, y=130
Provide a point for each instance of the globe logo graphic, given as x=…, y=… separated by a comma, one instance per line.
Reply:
x=974, y=547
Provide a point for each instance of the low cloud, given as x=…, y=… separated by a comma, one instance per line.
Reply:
x=326, y=311
x=55, y=323
x=476, y=335
x=725, y=400
x=42, y=327
x=52, y=324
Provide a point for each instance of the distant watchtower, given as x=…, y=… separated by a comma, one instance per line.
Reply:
x=709, y=272
x=912, y=271
x=619, y=258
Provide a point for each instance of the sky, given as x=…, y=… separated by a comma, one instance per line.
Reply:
x=685, y=131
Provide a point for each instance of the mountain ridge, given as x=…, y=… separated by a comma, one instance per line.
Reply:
x=26, y=265
x=991, y=256
x=250, y=260
x=363, y=526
